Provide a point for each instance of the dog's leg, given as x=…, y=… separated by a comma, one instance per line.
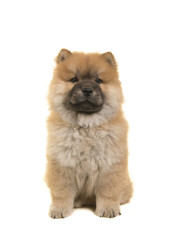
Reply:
x=109, y=190
x=63, y=189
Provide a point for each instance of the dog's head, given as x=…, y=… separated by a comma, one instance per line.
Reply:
x=85, y=86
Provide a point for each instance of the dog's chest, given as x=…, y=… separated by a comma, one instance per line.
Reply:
x=86, y=149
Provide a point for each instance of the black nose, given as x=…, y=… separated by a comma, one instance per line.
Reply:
x=87, y=91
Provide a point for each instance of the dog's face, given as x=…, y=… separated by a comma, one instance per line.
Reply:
x=85, y=96
x=85, y=85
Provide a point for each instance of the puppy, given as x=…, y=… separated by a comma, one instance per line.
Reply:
x=87, y=155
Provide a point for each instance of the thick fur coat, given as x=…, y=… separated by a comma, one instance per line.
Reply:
x=87, y=155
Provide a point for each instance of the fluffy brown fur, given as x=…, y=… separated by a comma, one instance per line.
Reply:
x=87, y=155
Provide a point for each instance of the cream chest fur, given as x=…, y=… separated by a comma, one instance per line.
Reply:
x=85, y=148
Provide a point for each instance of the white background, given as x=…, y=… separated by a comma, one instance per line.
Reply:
x=139, y=35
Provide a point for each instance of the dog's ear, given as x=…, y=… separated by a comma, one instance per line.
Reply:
x=63, y=54
x=110, y=59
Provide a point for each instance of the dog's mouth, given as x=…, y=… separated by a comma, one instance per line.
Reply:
x=85, y=107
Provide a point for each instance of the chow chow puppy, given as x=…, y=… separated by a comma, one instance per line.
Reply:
x=87, y=155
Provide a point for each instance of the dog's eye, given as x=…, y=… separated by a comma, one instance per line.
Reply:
x=98, y=80
x=74, y=80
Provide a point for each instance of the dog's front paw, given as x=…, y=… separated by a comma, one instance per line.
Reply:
x=59, y=212
x=108, y=211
